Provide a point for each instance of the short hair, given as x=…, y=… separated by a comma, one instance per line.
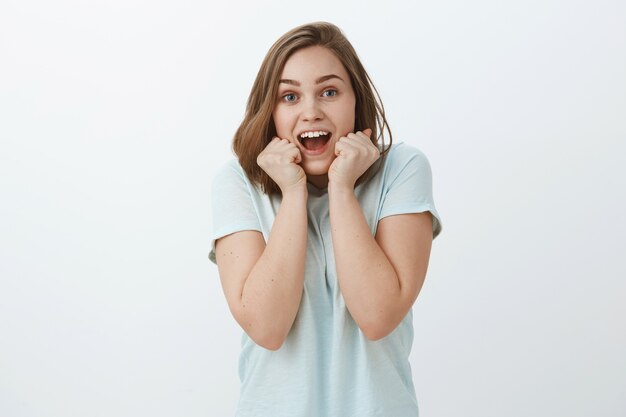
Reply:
x=257, y=128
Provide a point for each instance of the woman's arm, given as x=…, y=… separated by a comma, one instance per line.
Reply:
x=379, y=277
x=263, y=284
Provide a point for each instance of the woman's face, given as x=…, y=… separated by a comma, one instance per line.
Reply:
x=314, y=95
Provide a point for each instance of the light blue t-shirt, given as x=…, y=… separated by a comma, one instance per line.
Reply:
x=327, y=367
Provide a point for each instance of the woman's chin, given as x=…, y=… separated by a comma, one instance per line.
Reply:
x=316, y=168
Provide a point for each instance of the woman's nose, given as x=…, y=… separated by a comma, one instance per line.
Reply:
x=311, y=110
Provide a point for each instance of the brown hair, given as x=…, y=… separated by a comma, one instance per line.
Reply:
x=257, y=128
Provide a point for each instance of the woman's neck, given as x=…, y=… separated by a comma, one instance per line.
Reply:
x=318, y=181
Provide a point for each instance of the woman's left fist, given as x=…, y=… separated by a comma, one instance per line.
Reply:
x=355, y=154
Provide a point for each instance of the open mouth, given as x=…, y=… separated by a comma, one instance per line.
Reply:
x=315, y=142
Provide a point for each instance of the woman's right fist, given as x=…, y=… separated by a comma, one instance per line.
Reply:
x=280, y=160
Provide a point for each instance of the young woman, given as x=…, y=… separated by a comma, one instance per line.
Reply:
x=322, y=236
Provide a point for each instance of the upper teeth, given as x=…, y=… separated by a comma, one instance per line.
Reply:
x=313, y=134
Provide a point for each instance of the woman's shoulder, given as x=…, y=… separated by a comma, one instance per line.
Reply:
x=230, y=175
x=229, y=165
x=230, y=169
x=400, y=149
x=400, y=154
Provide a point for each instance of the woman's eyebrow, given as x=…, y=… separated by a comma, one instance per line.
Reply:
x=318, y=81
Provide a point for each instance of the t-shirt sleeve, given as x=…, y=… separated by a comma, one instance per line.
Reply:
x=409, y=189
x=231, y=204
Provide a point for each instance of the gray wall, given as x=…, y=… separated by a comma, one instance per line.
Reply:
x=115, y=115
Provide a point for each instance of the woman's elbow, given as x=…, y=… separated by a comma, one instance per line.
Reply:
x=378, y=329
x=265, y=337
x=376, y=333
x=270, y=343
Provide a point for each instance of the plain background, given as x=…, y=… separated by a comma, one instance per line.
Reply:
x=115, y=115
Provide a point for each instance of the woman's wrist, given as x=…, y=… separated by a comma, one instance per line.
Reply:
x=340, y=188
x=296, y=191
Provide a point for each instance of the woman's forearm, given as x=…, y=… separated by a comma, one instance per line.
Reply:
x=273, y=290
x=368, y=281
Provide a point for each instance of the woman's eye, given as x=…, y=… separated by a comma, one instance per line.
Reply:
x=334, y=93
x=289, y=97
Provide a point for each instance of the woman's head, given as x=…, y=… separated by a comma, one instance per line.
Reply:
x=345, y=101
